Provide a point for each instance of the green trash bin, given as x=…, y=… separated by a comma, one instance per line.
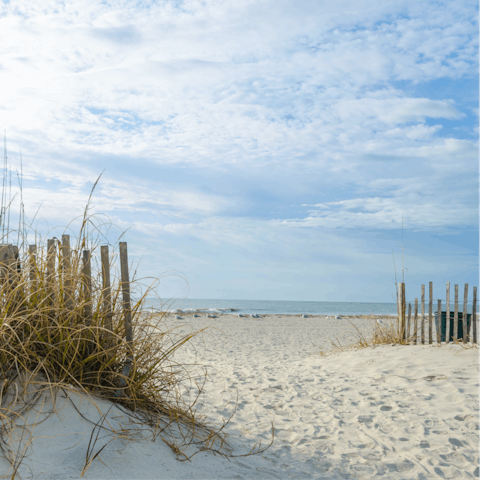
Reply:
x=443, y=330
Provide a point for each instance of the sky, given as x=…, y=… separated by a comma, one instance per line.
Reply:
x=254, y=149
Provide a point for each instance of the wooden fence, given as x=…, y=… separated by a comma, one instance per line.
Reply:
x=10, y=263
x=449, y=326
x=9, y=259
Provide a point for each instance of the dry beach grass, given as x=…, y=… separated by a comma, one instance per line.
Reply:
x=56, y=337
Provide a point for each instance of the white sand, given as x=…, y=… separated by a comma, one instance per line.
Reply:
x=399, y=412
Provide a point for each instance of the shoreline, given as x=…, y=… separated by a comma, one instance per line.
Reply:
x=204, y=314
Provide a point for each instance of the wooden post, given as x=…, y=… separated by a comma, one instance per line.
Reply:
x=7, y=261
x=415, y=322
x=50, y=257
x=5, y=254
x=439, y=321
x=399, y=308
x=17, y=264
x=14, y=267
x=51, y=249
x=126, y=291
x=447, y=319
x=409, y=320
x=474, y=315
x=67, y=272
x=106, y=292
x=422, y=328
x=127, y=312
x=430, y=312
x=403, y=312
x=87, y=286
x=455, y=315
x=32, y=250
x=466, y=333
x=399, y=303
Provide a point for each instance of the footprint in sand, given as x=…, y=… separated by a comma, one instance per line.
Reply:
x=462, y=418
x=455, y=442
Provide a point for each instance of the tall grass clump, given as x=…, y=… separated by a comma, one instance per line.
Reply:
x=56, y=333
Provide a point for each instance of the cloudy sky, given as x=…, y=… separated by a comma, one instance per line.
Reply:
x=264, y=149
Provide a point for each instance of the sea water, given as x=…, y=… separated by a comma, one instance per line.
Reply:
x=278, y=307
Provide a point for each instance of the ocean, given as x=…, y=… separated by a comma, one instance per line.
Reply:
x=273, y=307
x=180, y=305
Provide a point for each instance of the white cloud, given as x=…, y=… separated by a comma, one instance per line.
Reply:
x=395, y=110
x=422, y=208
x=204, y=84
x=67, y=200
x=291, y=102
x=414, y=132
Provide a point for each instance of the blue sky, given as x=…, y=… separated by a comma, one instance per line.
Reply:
x=262, y=149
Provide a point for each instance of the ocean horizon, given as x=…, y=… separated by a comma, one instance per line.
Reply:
x=283, y=307
x=272, y=307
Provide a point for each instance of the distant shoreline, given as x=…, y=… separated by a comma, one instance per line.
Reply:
x=203, y=314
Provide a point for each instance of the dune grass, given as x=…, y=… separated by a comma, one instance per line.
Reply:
x=388, y=332
x=55, y=334
x=55, y=337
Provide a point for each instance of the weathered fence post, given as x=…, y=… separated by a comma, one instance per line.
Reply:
x=106, y=293
x=51, y=249
x=50, y=258
x=455, y=315
x=32, y=250
x=403, y=311
x=404, y=316
x=400, y=310
x=415, y=322
x=7, y=259
x=474, y=315
x=126, y=292
x=127, y=312
x=87, y=286
x=399, y=304
x=466, y=333
x=4, y=261
x=447, y=319
x=409, y=320
x=18, y=265
x=67, y=272
x=15, y=270
x=422, y=328
x=439, y=322
x=430, y=311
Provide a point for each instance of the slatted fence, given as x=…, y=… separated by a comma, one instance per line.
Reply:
x=10, y=261
x=442, y=326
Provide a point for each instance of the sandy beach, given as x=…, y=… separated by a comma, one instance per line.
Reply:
x=234, y=234
x=397, y=412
